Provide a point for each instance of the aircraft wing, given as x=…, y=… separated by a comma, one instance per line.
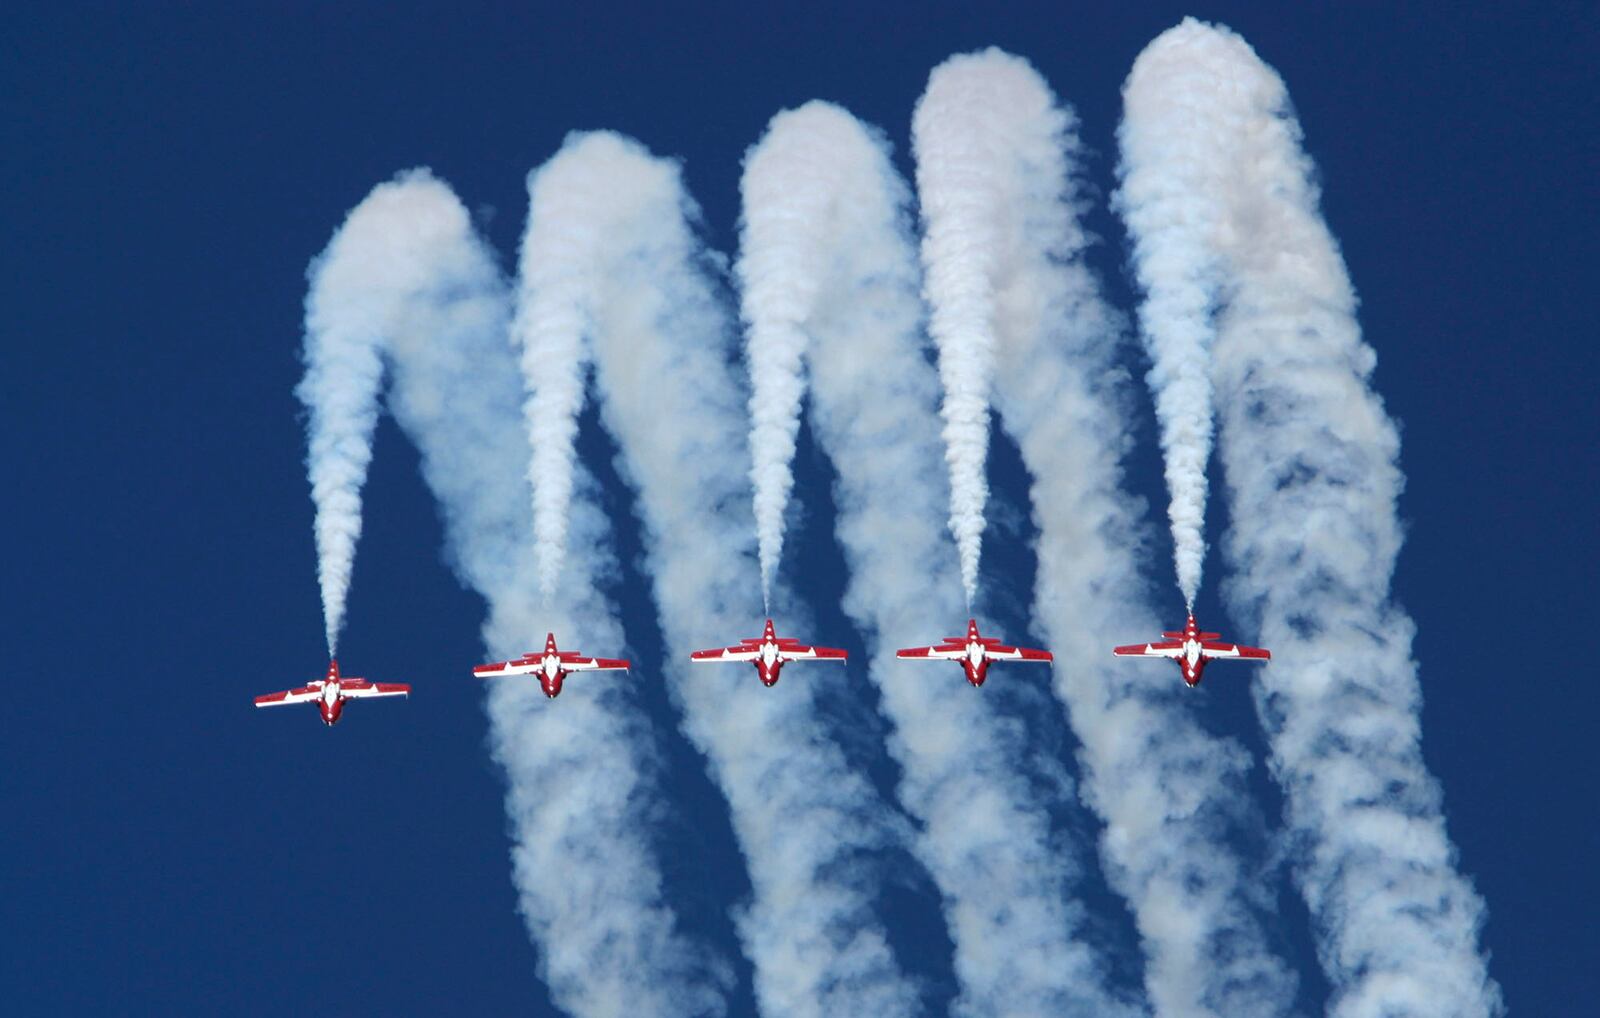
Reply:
x=1165, y=648
x=578, y=663
x=1000, y=652
x=943, y=652
x=1215, y=649
x=362, y=688
x=304, y=694
x=740, y=653
x=801, y=652
x=521, y=666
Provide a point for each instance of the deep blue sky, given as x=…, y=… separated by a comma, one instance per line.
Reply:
x=169, y=173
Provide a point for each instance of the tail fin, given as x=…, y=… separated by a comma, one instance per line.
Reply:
x=767, y=634
x=550, y=643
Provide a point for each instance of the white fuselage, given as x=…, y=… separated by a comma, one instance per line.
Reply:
x=1191, y=652
x=330, y=693
x=769, y=653
x=551, y=666
x=975, y=653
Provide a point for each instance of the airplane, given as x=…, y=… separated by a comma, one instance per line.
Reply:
x=975, y=652
x=331, y=692
x=769, y=653
x=1192, y=649
x=552, y=667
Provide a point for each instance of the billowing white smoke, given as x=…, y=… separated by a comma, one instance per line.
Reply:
x=802, y=815
x=358, y=285
x=827, y=252
x=778, y=280
x=549, y=324
x=581, y=770
x=972, y=107
x=1310, y=462
x=1173, y=798
x=1175, y=152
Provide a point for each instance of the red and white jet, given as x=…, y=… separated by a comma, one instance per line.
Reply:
x=1192, y=649
x=769, y=653
x=975, y=652
x=552, y=667
x=331, y=692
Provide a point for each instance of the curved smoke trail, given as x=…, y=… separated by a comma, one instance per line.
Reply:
x=1310, y=459
x=778, y=280
x=1173, y=798
x=1175, y=151
x=548, y=327
x=803, y=817
x=356, y=290
x=971, y=107
x=827, y=252
x=580, y=771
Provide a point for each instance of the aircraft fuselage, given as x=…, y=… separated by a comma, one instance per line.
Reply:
x=768, y=663
x=331, y=704
x=551, y=676
x=975, y=664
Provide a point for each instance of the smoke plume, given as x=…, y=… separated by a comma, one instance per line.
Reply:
x=805, y=820
x=581, y=770
x=972, y=107
x=358, y=286
x=826, y=222
x=1175, y=152
x=548, y=326
x=1310, y=460
x=778, y=279
x=1172, y=797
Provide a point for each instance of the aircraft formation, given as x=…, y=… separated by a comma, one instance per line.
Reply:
x=1190, y=648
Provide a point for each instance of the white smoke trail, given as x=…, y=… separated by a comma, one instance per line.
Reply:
x=827, y=250
x=969, y=109
x=802, y=817
x=356, y=289
x=777, y=286
x=580, y=770
x=1175, y=151
x=1310, y=459
x=557, y=255
x=1173, y=798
